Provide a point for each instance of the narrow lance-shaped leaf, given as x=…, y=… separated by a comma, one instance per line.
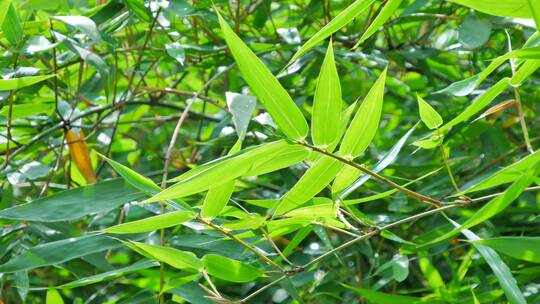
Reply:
x=389, y=8
x=494, y=206
x=139, y=265
x=522, y=247
x=274, y=97
x=11, y=25
x=505, y=175
x=229, y=269
x=500, y=269
x=428, y=114
x=502, y=8
x=4, y=6
x=342, y=19
x=176, y=258
x=534, y=5
x=152, y=223
x=17, y=83
x=221, y=172
x=75, y=203
x=325, y=127
x=55, y=252
x=311, y=183
x=366, y=121
x=133, y=178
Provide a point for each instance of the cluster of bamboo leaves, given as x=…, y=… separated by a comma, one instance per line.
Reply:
x=331, y=147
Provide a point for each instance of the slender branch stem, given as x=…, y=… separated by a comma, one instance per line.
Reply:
x=377, y=176
x=239, y=241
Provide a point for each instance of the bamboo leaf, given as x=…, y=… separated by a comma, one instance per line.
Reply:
x=388, y=9
x=152, y=223
x=326, y=103
x=11, y=26
x=522, y=247
x=75, y=203
x=502, y=8
x=493, y=207
x=17, y=83
x=534, y=6
x=216, y=199
x=229, y=269
x=220, y=171
x=500, y=269
x=312, y=182
x=133, y=178
x=429, y=116
x=505, y=175
x=274, y=97
x=366, y=121
x=478, y=104
x=53, y=297
x=176, y=258
x=55, y=252
x=342, y=19
x=4, y=7
x=139, y=265
x=383, y=298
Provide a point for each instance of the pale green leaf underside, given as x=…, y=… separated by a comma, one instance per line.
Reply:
x=152, y=223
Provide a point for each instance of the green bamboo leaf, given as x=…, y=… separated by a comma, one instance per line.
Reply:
x=388, y=9
x=229, y=269
x=474, y=32
x=366, y=121
x=326, y=103
x=138, y=8
x=347, y=180
x=534, y=6
x=17, y=83
x=135, y=267
x=291, y=155
x=133, y=178
x=468, y=85
x=152, y=223
x=428, y=114
x=522, y=247
x=216, y=199
x=494, y=206
x=505, y=175
x=55, y=252
x=53, y=297
x=502, y=8
x=312, y=182
x=384, y=298
x=274, y=97
x=176, y=258
x=4, y=7
x=250, y=222
x=500, y=270
x=342, y=19
x=11, y=26
x=75, y=203
x=220, y=171
x=25, y=110
x=478, y=104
